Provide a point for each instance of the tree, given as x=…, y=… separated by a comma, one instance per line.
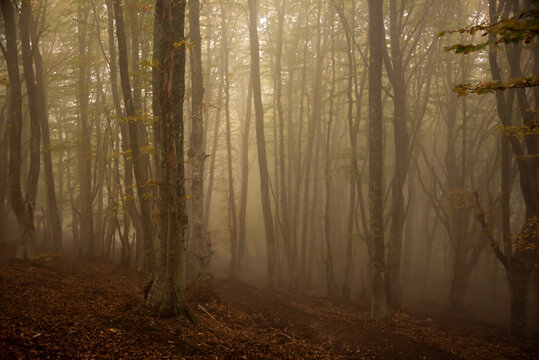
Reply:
x=141, y=174
x=167, y=292
x=85, y=144
x=376, y=43
x=40, y=71
x=196, y=151
x=232, y=217
x=271, y=251
x=521, y=259
x=23, y=207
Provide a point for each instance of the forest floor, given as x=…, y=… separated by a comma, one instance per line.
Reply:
x=59, y=308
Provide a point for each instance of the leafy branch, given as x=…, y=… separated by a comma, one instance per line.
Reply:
x=487, y=87
x=507, y=31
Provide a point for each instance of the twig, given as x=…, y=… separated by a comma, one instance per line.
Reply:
x=210, y=315
x=14, y=268
x=284, y=334
x=480, y=215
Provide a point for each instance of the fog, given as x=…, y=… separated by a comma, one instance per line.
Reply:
x=380, y=153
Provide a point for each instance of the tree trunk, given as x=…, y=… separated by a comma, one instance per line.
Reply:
x=314, y=120
x=4, y=136
x=283, y=195
x=52, y=205
x=330, y=278
x=378, y=268
x=518, y=277
x=197, y=153
x=23, y=208
x=244, y=175
x=261, y=144
x=85, y=145
x=167, y=292
x=211, y=176
x=141, y=174
x=129, y=202
x=232, y=216
x=401, y=140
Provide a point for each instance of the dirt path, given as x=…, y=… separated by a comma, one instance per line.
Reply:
x=61, y=309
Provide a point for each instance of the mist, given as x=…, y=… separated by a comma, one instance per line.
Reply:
x=375, y=160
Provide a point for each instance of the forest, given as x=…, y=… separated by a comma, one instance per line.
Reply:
x=328, y=179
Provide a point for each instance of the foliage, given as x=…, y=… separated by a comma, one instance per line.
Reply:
x=523, y=28
x=486, y=87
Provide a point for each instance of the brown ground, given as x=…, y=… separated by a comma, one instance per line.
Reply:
x=62, y=309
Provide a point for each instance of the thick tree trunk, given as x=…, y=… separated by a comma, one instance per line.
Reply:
x=36, y=112
x=378, y=267
x=14, y=121
x=167, y=293
x=518, y=277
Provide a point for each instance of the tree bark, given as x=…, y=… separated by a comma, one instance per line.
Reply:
x=401, y=143
x=284, y=220
x=18, y=203
x=271, y=251
x=244, y=176
x=197, y=152
x=141, y=174
x=378, y=267
x=167, y=292
x=85, y=145
x=52, y=204
x=232, y=215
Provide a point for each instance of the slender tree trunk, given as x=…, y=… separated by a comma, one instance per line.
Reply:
x=354, y=185
x=299, y=173
x=232, y=216
x=197, y=153
x=331, y=286
x=244, y=176
x=85, y=145
x=4, y=135
x=52, y=205
x=378, y=268
x=129, y=202
x=141, y=174
x=261, y=144
x=314, y=120
x=144, y=158
x=401, y=143
x=211, y=177
x=283, y=195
